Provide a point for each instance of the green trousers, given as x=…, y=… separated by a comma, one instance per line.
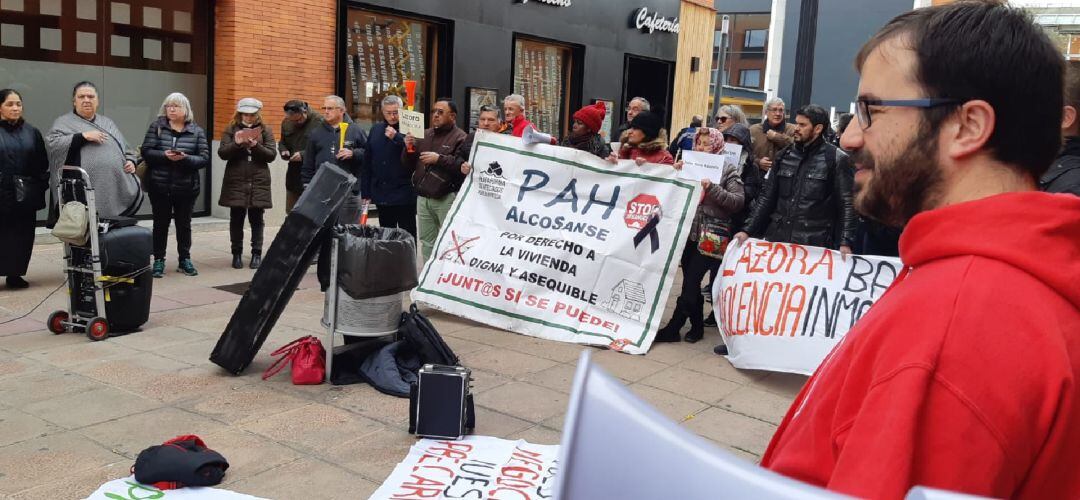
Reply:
x=430, y=214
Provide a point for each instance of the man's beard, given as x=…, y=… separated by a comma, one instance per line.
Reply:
x=901, y=187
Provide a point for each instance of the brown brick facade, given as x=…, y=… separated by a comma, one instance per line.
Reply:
x=273, y=50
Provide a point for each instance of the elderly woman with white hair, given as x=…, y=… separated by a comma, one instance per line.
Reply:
x=175, y=149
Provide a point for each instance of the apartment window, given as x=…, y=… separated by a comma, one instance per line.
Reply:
x=750, y=78
x=755, y=39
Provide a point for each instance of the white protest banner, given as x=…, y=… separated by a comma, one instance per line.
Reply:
x=476, y=467
x=130, y=489
x=411, y=122
x=783, y=307
x=698, y=166
x=556, y=243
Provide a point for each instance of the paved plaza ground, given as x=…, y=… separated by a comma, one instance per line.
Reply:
x=74, y=413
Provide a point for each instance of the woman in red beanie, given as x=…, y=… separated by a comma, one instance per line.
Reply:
x=584, y=133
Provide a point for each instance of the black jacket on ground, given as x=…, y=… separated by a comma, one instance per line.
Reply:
x=164, y=176
x=385, y=181
x=22, y=152
x=322, y=147
x=804, y=201
x=1064, y=175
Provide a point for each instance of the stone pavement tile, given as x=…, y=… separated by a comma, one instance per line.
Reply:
x=559, y=378
x=194, y=353
x=749, y=457
x=525, y=401
x=671, y=353
x=365, y=400
x=717, y=366
x=373, y=456
x=84, y=352
x=248, y=454
x=21, y=325
x=306, y=478
x=38, y=462
x=20, y=391
x=245, y=403
x=159, y=304
x=506, y=362
x=556, y=422
x=483, y=381
x=313, y=428
x=194, y=381
x=12, y=366
x=154, y=339
x=78, y=484
x=87, y=408
x=783, y=384
x=208, y=324
x=132, y=434
x=200, y=296
x=483, y=335
x=627, y=366
x=33, y=341
x=449, y=324
x=538, y=435
x=16, y=426
x=691, y=384
x=731, y=429
x=549, y=349
x=493, y=423
x=757, y=403
x=673, y=406
x=462, y=347
x=131, y=372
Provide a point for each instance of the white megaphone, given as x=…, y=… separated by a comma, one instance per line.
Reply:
x=530, y=135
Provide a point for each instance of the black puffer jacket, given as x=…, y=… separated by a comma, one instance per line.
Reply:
x=178, y=178
x=752, y=176
x=1064, y=175
x=22, y=153
x=804, y=201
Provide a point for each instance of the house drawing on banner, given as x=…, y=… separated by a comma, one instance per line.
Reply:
x=627, y=300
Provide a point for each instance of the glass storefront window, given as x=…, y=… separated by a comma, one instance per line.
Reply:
x=542, y=76
x=383, y=51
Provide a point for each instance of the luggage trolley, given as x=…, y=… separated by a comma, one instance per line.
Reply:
x=88, y=287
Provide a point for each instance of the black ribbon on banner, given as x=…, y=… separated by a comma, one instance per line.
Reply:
x=649, y=230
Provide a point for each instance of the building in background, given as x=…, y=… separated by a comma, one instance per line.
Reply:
x=1063, y=25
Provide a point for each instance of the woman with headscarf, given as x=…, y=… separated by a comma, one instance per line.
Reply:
x=175, y=149
x=24, y=177
x=92, y=141
x=720, y=201
x=248, y=147
x=645, y=141
x=585, y=131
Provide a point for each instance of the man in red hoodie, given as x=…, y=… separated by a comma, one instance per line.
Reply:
x=965, y=376
x=514, y=112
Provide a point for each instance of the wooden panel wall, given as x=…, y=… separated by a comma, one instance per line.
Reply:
x=696, y=26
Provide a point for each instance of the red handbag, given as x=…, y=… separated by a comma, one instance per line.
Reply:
x=308, y=361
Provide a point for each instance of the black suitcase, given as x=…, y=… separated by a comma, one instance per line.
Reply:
x=126, y=252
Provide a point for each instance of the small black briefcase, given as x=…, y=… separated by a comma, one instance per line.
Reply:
x=441, y=404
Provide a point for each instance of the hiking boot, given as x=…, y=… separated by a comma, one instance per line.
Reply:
x=187, y=267
x=159, y=268
x=695, y=334
x=237, y=261
x=16, y=282
x=256, y=260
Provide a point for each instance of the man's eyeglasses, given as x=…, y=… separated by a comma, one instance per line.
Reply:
x=437, y=111
x=330, y=108
x=862, y=106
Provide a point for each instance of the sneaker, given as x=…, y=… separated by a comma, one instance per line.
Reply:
x=159, y=268
x=711, y=320
x=187, y=268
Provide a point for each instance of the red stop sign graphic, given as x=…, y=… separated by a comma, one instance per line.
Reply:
x=639, y=209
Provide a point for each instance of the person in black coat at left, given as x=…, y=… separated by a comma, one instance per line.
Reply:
x=175, y=149
x=24, y=178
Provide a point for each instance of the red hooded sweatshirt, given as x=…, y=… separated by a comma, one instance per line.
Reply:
x=964, y=376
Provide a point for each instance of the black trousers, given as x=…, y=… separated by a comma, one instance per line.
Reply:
x=168, y=208
x=402, y=216
x=694, y=268
x=236, y=229
x=16, y=241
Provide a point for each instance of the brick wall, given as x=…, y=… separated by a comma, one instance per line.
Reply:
x=272, y=50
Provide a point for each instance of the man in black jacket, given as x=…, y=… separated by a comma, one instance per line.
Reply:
x=807, y=197
x=1064, y=174
x=299, y=121
x=342, y=144
x=385, y=181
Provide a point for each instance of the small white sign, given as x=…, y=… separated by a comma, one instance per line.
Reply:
x=411, y=122
x=698, y=165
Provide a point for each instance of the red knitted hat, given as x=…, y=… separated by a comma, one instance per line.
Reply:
x=592, y=116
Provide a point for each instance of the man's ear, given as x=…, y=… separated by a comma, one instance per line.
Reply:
x=1070, y=117
x=972, y=125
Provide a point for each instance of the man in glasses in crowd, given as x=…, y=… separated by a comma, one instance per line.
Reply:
x=965, y=375
x=636, y=105
x=436, y=170
x=300, y=120
x=772, y=134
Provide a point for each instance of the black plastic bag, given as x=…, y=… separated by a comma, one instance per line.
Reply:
x=375, y=261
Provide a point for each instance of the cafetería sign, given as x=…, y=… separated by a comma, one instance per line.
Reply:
x=648, y=22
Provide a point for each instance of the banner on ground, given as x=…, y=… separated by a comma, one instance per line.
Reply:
x=477, y=467
x=783, y=307
x=556, y=243
x=130, y=489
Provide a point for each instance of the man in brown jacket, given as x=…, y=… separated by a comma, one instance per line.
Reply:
x=436, y=170
x=772, y=134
